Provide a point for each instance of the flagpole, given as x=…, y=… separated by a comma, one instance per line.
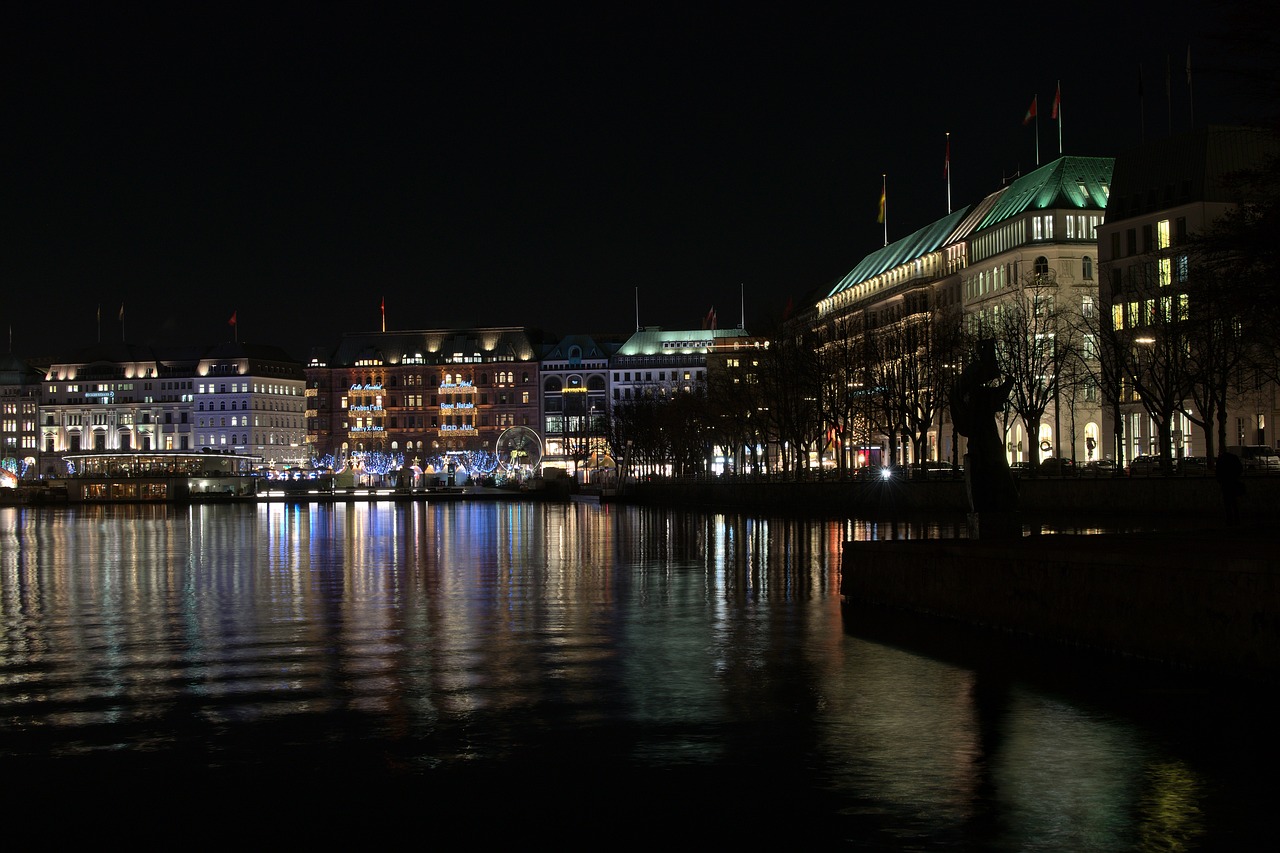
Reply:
x=637, y=309
x=1191, y=97
x=884, y=204
x=742, y=306
x=1142, y=110
x=1168, y=91
x=947, y=169
x=1057, y=113
x=99, y=322
x=1033, y=112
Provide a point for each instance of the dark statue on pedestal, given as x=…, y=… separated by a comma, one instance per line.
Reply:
x=993, y=495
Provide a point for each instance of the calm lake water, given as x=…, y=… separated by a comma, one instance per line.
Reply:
x=576, y=675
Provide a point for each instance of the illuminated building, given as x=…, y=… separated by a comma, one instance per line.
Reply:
x=232, y=397
x=250, y=399
x=1167, y=307
x=660, y=363
x=422, y=394
x=575, y=401
x=659, y=366
x=19, y=405
x=892, y=334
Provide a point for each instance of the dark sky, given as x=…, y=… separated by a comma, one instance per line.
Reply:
x=296, y=165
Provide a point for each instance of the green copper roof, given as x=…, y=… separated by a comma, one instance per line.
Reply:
x=917, y=245
x=1074, y=183
x=1081, y=183
x=654, y=340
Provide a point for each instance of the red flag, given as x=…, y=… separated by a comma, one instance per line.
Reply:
x=232, y=321
x=710, y=322
x=1057, y=102
x=1031, y=111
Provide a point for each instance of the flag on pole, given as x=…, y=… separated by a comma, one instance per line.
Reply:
x=122, y=311
x=880, y=215
x=1188, y=65
x=946, y=163
x=1031, y=111
x=710, y=322
x=1057, y=101
x=232, y=321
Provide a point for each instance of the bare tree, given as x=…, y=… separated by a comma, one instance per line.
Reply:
x=1155, y=352
x=1034, y=340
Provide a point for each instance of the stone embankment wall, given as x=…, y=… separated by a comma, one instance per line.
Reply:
x=1194, y=497
x=1203, y=602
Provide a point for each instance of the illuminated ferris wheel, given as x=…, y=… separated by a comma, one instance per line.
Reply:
x=518, y=448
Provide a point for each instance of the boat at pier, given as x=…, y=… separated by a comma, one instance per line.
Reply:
x=156, y=476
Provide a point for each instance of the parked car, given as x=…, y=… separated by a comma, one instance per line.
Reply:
x=1055, y=467
x=1257, y=458
x=1099, y=468
x=935, y=471
x=1193, y=466
x=1020, y=469
x=1147, y=466
x=875, y=473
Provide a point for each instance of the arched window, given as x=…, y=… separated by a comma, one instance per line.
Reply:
x=553, y=385
x=1086, y=268
x=1042, y=265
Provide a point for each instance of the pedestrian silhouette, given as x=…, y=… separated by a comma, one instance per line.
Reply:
x=1230, y=473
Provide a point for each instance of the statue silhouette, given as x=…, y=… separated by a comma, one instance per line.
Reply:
x=975, y=402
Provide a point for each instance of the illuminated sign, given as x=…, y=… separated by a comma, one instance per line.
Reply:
x=463, y=384
x=101, y=395
x=457, y=405
x=358, y=387
x=686, y=344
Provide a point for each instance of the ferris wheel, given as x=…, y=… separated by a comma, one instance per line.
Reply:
x=518, y=447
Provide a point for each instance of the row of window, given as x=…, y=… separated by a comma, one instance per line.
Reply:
x=375, y=382
x=447, y=422
x=1155, y=237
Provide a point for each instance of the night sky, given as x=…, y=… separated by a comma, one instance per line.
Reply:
x=297, y=166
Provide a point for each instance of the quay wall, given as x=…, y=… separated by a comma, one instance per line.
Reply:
x=1199, y=497
x=1201, y=602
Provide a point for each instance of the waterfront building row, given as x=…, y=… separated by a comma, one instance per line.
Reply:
x=228, y=398
x=429, y=394
x=1024, y=267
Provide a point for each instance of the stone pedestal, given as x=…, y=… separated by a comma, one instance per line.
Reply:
x=995, y=525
